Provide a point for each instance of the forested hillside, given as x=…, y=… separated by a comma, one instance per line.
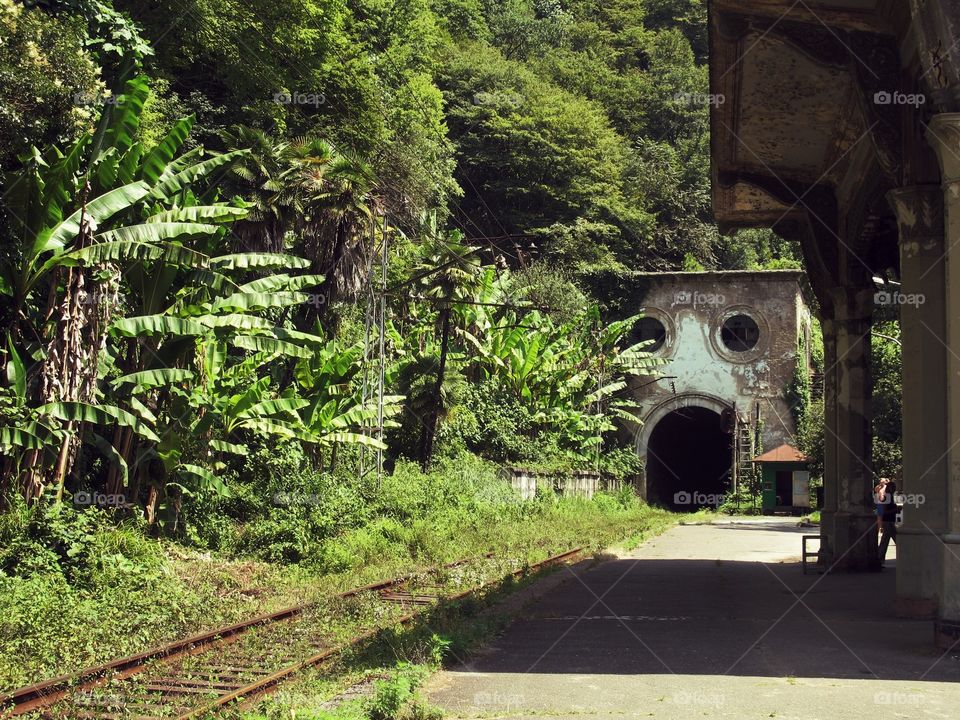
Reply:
x=575, y=130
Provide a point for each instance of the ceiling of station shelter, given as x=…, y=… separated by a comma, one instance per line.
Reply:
x=790, y=111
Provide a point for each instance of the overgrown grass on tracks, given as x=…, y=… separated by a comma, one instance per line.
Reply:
x=77, y=588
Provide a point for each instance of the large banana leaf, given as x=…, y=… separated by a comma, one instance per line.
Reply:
x=283, y=406
x=156, y=232
x=160, y=156
x=234, y=321
x=269, y=428
x=250, y=302
x=259, y=343
x=141, y=325
x=14, y=437
x=199, y=213
x=349, y=438
x=159, y=377
x=124, y=251
x=259, y=261
x=205, y=479
x=273, y=283
x=98, y=211
x=142, y=410
x=346, y=357
x=170, y=185
x=251, y=396
x=110, y=452
x=120, y=122
x=228, y=447
x=98, y=415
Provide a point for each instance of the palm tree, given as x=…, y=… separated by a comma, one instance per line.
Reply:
x=308, y=187
x=259, y=179
x=450, y=269
x=339, y=210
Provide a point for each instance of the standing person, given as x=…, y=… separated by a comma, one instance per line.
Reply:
x=878, y=503
x=888, y=518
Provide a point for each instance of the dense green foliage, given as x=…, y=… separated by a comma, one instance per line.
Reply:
x=427, y=113
x=210, y=207
x=887, y=400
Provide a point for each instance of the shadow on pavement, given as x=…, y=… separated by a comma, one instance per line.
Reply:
x=718, y=617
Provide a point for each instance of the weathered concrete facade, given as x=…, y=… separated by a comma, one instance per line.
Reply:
x=840, y=127
x=733, y=339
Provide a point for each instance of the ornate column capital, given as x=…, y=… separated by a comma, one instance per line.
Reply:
x=943, y=134
x=919, y=211
x=852, y=305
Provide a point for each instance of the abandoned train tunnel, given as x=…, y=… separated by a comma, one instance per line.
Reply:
x=688, y=460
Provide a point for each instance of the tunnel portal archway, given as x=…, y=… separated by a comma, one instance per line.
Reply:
x=688, y=459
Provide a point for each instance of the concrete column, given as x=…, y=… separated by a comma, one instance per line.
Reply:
x=922, y=306
x=829, y=510
x=854, y=522
x=944, y=136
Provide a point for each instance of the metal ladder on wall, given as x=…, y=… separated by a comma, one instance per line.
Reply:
x=743, y=452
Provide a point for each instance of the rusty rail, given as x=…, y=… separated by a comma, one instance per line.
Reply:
x=232, y=682
x=257, y=689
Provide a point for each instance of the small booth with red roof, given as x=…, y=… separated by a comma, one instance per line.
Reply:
x=785, y=481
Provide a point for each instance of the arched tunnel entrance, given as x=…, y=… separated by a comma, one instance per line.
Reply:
x=688, y=460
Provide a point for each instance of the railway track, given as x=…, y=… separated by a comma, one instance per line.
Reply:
x=199, y=675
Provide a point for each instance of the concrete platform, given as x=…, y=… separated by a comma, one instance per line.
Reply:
x=713, y=621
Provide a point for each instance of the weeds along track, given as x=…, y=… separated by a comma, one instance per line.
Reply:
x=199, y=675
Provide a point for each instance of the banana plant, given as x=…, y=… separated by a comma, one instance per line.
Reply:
x=571, y=376
x=202, y=363
x=75, y=219
x=337, y=413
x=37, y=433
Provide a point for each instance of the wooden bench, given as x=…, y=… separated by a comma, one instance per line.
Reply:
x=807, y=554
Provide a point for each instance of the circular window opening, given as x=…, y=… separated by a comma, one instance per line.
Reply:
x=650, y=331
x=740, y=333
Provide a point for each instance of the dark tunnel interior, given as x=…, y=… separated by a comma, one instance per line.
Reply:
x=688, y=460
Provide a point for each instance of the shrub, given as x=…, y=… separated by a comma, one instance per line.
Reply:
x=82, y=546
x=503, y=424
x=621, y=463
x=392, y=696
